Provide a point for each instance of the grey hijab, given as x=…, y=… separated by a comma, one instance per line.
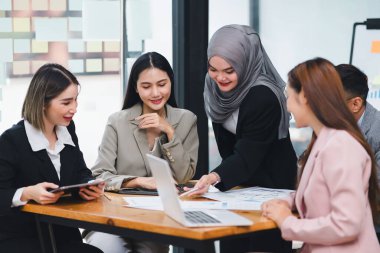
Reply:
x=240, y=46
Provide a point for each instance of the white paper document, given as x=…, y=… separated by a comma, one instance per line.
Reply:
x=151, y=203
x=248, y=197
x=154, y=203
x=241, y=199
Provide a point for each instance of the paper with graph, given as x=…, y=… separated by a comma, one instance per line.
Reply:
x=249, y=198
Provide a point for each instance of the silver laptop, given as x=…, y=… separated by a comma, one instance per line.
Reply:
x=189, y=218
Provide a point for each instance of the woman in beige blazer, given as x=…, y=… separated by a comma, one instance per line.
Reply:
x=149, y=122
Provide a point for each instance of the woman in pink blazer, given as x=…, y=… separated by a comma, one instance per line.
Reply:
x=337, y=191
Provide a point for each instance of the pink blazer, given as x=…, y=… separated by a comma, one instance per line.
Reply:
x=331, y=198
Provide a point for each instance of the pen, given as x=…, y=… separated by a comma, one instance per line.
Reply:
x=216, y=182
x=106, y=197
x=188, y=192
x=195, y=189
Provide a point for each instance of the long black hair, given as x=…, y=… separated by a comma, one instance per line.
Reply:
x=146, y=61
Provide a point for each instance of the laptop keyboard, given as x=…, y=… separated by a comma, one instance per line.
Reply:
x=199, y=217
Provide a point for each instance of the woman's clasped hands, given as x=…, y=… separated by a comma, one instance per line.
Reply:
x=154, y=120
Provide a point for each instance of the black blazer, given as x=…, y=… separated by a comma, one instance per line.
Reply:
x=255, y=156
x=20, y=167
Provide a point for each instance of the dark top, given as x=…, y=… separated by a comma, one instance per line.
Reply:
x=20, y=167
x=255, y=156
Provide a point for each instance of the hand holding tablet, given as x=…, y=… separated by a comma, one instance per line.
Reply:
x=73, y=186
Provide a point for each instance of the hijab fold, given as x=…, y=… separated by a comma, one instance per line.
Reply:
x=241, y=47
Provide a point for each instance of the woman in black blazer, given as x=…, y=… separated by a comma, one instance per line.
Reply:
x=244, y=100
x=255, y=156
x=40, y=153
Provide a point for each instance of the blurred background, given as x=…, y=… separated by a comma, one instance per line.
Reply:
x=98, y=40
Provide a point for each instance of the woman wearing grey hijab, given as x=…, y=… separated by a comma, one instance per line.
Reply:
x=245, y=101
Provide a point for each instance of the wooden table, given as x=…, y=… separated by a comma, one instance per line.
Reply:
x=111, y=216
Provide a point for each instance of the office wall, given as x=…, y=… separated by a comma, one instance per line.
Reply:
x=225, y=12
x=293, y=31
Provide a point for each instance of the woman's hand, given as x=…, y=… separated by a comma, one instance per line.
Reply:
x=93, y=191
x=40, y=194
x=277, y=210
x=142, y=182
x=202, y=185
x=153, y=120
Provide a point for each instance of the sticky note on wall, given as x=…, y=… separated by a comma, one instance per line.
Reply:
x=375, y=47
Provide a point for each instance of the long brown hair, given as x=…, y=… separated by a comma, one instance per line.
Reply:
x=324, y=92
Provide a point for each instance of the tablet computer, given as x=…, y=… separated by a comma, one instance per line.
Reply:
x=143, y=191
x=138, y=191
x=73, y=186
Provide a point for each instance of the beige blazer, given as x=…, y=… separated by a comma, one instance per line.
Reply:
x=122, y=152
x=332, y=198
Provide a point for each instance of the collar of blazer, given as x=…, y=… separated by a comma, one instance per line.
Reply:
x=173, y=115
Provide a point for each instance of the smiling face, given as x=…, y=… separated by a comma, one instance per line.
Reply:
x=222, y=73
x=61, y=109
x=154, y=88
x=297, y=106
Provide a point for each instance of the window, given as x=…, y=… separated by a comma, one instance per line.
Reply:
x=66, y=32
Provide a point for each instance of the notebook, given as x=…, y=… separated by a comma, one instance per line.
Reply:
x=189, y=218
